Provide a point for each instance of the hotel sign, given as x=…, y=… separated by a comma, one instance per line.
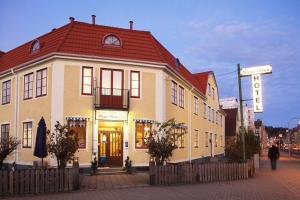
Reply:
x=256, y=72
x=257, y=97
x=265, y=69
x=111, y=115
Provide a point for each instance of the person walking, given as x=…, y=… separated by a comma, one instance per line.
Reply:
x=273, y=154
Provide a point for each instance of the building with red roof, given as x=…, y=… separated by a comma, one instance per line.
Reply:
x=110, y=85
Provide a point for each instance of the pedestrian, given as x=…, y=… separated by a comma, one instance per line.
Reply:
x=273, y=154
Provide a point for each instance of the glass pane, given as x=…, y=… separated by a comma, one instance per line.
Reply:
x=139, y=135
x=44, y=73
x=117, y=80
x=38, y=92
x=87, y=80
x=44, y=90
x=87, y=89
x=44, y=82
x=87, y=72
x=134, y=84
x=38, y=75
x=134, y=92
x=38, y=84
x=106, y=79
x=134, y=76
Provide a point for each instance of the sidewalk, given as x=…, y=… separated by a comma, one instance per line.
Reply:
x=282, y=184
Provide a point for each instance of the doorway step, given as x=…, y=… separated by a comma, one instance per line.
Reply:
x=110, y=170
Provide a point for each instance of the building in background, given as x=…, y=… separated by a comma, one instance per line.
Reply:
x=110, y=85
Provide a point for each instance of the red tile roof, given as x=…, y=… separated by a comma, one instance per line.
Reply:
x=86, y=39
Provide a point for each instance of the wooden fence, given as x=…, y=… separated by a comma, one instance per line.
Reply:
x=200, y=172
x=33, y=181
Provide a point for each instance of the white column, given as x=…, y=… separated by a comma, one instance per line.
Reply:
x=125, y=140
x=57, y=98
x=160, y=96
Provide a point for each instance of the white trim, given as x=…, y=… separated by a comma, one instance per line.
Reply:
x=57, y=98
x=140, y=164
x=160, y=96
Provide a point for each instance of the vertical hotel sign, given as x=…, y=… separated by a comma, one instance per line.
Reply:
x=256, y=72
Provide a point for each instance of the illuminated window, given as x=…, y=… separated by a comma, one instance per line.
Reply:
x=87, y=80
x=174, y=92
x=6, y=86
x=79, y=128
x=4, y=132
x=27, y=134
x=28, y=86
x=179, y=141
x=142, y=132
x=135, y=84
x=112, y=40
x=196, y=105
x=35, y=46
x=181, y=97
x=41, y=82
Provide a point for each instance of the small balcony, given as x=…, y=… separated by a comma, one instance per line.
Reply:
x=111, y=98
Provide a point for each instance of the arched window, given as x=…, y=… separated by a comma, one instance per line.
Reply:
x=112, y=40
x=35, y=46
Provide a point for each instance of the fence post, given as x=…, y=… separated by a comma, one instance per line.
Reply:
x=76, y=178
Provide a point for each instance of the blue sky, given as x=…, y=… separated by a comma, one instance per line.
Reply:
x=205, y=35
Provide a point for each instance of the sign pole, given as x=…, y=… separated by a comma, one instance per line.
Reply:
x=242, y=130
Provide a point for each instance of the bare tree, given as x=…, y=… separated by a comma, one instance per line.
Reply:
x=7, y=146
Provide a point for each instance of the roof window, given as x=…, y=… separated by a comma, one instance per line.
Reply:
x=35, y=46
x=112, y=40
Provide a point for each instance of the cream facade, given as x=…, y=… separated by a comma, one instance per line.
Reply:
x=64, y=100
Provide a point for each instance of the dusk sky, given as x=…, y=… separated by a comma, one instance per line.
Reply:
x=204, y=35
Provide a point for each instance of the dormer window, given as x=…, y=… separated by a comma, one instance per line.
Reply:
x=35, y=46
x=112, y=40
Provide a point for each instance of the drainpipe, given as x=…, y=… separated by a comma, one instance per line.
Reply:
x=190, y=126
x=16, y=110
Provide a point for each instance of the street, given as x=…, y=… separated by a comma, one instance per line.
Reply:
x=280, y=184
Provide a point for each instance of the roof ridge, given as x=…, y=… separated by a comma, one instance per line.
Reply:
x=66, y=35
x=153, y=41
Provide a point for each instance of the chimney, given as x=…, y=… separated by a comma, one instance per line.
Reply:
x=71, y=19
x=53, y=29
x=131, y=25
x=93, y=19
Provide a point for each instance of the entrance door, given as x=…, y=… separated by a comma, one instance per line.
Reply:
x=110, y=148
x=111, y=88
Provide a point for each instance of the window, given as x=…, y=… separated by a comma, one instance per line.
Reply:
x=209, y=113
x=216, y=140
x=79, y=127
x=221, y=120
x=217, y=117
x=4, y=132
x=35, y=46
x=41, y=82
x=213, y=116
x=208, y=89
x=142, y=132
x=196, y=139
x=213, y=92
x=181, y=97
x=112, y=40
x=27, y=134
x=206, y=139
x=87, y=80
x=135, y=84
x=28, y=86
x=196, y=105
x=111, y=82
x=174, y=92
x=221, y=141
x=6, y=92
x=204, y=110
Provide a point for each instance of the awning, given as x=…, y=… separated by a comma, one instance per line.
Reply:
x=144, y=120
x=77, y=118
